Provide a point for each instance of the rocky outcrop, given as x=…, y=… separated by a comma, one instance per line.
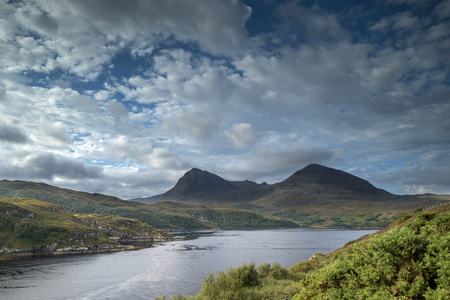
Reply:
x=124, y=230
x=30, y=227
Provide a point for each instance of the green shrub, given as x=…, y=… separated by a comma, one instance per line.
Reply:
x=411, y=262
x=34, y=230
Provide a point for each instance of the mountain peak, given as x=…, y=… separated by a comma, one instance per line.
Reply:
x=330, y=178
x=196, y=170
x=199, y=181
x=315, y=168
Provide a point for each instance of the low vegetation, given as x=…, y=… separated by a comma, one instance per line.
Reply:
x=30, y=226
x=162, y=215
x=408, y=260
x=122, y=228
x=39, y=226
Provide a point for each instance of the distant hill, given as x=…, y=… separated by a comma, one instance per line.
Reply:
x=152, y=199
x=313, y=181
x=316, y=196
x=162, y=215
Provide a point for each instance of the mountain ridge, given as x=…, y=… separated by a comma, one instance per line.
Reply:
x=197, y=186
x=315, y=196
x=207, y=187
x=320, y=175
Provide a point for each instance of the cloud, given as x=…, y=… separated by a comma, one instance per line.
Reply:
x=242, y=135
x=83, y=36
x=12, y=134
x=419, y=179
x=314, y=25
x=47, y=166
x=443, y=9
x=405, y=21
x=117, y=109
x=272, y=163
x=122, y=91
x=163, y=159
x=54, y=130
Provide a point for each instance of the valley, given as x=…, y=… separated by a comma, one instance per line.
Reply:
x=39, y=218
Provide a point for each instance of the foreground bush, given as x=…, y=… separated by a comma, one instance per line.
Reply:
x=412, y=262
x=247, y=283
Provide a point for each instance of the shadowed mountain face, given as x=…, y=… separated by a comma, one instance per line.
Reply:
x=199, y=186
x=196, y=181
x=202, y=186
x=325, y=179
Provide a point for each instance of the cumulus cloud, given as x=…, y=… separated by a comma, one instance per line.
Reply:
x=12, y=134
x=242, y=135
x=149, y=89
x=117, y=109
x=82, y=36
x=163, y=159
x=55, y=130
x=273, y=163
x=47, y=166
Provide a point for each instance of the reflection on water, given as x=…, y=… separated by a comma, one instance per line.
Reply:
x=170, y=268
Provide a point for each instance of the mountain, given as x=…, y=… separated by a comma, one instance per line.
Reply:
x=315, y=196
x=197, y=186
x=321, y=179
x=313, y=181
x=161, y=215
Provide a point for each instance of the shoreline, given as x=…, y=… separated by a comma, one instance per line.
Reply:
x=47, y=251
x=21, y=254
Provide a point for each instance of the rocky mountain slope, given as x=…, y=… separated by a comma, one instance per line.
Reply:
x=33, y=227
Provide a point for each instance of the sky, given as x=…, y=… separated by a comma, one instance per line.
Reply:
x=123, y=97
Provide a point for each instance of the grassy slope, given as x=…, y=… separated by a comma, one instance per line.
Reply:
x=29, y=223
x=120, y=227
x=36, y=225
x=408, y=260
x=87, y=203
x=223, y=217
x=340, y=210
x=165, y=215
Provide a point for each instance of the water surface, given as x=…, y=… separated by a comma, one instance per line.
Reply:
x=170, y=268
